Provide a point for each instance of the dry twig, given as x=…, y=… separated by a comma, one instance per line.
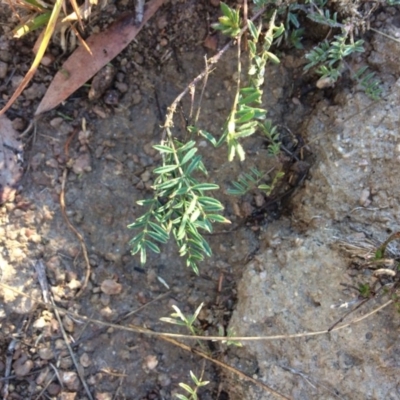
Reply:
x=74, y=360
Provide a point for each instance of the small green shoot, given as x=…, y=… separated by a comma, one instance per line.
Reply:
x=178, y=318
x=192, y=391
x=272, y=135
x=371, y=86
x=229, y=23
x=365, y=290
x=252, y=180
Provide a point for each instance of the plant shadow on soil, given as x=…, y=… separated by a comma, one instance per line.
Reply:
x=111, y=166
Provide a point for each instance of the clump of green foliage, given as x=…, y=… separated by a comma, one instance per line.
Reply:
x=246, y=116
x=328, y=58
x=181, y=203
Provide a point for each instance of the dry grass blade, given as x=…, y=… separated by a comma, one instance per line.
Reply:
x=46, y=39
x=139, y=329
x=77, y=12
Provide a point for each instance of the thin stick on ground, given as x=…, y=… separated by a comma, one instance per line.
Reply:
x=48, y=299
x=39, y=396
x=203, y=89
x=74, y=360
x=41, y=275
x=139, y=329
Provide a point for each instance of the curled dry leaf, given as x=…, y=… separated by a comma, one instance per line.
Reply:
x=10, y=160
x=104, y=46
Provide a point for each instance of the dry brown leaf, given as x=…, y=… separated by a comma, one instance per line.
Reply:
x=11, y=151
x=81, y=66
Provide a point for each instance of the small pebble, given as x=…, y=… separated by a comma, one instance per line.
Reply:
x=66, y=363
x=146, y=176
x=136, y=98
x=68, y=324
x=151, y=362
x=164, y=42
x=111, y=287
x=103, y=396
x=60, y=344
x=122, y=87
x=111, y=97
x=47, y=59
x=67, y=396
x=22, y=366
x=46, y=353
x=105, y=299
x=85, y=360
x=71, y=380
x=162, y=22
x=18, y=124
x=82, y=164
x=53, y=389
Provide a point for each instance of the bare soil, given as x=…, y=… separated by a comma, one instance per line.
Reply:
x=102, y=151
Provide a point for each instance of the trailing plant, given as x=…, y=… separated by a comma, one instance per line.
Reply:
x=293, y=33
x=245, y=115
x=272, y=135
x=179, y=205
x=371, y=86
x=327, y=59
x=252, y=180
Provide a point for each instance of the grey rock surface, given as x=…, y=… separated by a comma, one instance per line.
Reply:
x=294, y=285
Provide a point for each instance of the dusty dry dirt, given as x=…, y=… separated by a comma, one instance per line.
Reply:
x=106, y=163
